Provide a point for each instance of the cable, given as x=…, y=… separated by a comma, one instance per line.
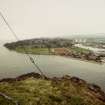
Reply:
x=9, y=26
x=30, y=58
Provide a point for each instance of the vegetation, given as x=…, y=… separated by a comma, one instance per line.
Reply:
x=42, y=51
x=80, y=50
x=3, y=101
x=40, y=43
x=56, y=46
x=37, y=91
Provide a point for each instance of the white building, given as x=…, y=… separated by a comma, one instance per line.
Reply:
x=80, y=40
x=95, y=50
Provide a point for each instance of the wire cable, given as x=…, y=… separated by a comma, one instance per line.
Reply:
x=26, y=52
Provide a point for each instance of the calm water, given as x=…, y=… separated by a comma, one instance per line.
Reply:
x=13, y=64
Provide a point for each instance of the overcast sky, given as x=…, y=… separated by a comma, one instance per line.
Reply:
x=42, y=18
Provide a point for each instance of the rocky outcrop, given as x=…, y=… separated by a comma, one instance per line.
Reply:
x=25, y=76
x=77, y=81
x=96, y=91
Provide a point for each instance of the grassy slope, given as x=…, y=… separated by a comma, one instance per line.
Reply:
x=45, y=92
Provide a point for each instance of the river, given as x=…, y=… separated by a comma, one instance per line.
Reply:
x=13, y=64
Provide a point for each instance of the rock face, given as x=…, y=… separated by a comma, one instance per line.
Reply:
x=77, y=80
x=97, y=92
x=66, y=90
x=25, y=76
x=22, y=77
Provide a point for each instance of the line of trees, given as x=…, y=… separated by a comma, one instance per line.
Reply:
x=41, y=43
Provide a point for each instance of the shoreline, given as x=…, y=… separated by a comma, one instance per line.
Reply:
x=74, y=58
x=60, y=47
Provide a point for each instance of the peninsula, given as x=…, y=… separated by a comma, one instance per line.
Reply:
x=56, y=46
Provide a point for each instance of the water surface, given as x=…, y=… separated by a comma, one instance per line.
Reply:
x=13, y=64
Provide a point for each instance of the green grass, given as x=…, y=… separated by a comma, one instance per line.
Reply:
x=3, y=101
x=43, y=51
x=44, y=92
x=79, y=50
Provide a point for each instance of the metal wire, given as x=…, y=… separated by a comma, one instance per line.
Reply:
x=26, y=52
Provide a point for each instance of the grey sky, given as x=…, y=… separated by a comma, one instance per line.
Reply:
x=42, y=18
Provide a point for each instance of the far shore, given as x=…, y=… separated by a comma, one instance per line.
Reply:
x=91, y=61
x=61, y=47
